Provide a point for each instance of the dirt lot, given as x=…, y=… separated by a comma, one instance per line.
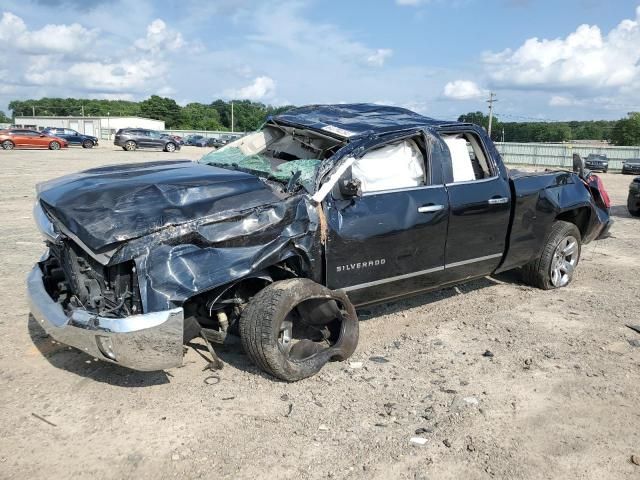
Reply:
x=559, y=398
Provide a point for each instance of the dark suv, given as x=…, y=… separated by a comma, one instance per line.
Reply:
x=72, y=137
x=133, y=138
x=597, y=162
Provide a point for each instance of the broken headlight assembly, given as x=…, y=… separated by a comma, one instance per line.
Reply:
x=45, y=225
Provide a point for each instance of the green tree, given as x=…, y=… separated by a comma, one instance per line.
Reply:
x=627, y=131
x=4, y=118
x=197, y=116
x=161, y=108
x=481, y=119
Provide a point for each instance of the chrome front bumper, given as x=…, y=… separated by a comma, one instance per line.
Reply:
x=148, y=342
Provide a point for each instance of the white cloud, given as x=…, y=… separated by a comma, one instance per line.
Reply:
x=586, y=59
x=411, y=3
x=159, y=38
x=49, y=39
x=561, y=101
x=463, y=90
x=262, y=88
x=99, y=77
x=378, y=58
x=299, y=36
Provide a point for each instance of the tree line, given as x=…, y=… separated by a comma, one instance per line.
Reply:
x=248, y=115
x=625, y=131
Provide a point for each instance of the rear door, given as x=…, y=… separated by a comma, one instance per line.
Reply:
x=390, y=241
x=480, y=206
x=155, y=139
x=72, y=136
x=142, y=138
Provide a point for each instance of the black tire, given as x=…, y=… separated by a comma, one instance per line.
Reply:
x=54, y=145
x=309, y=310
x=543, y=271
x=605, y=170
x=170, y=147
x=130, y=145
x=87, y=144
x=633, y=207
x=8, y=145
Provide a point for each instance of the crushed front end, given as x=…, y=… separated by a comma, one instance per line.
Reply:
x=97, y=308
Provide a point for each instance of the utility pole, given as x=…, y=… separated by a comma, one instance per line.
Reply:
x=231, y=116
x=492, y=98
x=33, y=110
x=82, y=106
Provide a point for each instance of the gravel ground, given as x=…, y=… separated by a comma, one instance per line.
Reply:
x=556, y=397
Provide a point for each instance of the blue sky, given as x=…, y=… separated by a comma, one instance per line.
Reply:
x=563, y=59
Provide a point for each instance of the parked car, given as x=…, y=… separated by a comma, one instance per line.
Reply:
x=193, y=139
x=215, y=142
x=633, y=200
x=72, y=137
x=133, y=138
x=177, y=138
x=597, y=162
x=24, y=138
x=631, y=166
x=278, y=236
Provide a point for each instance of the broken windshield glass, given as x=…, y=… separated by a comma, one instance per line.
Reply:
x=265, y=166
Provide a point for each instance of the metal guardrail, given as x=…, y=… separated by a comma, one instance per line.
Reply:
x=561, y=155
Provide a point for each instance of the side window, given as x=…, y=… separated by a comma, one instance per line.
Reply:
x=154, y=134
x=394, y=166
x=67, y=131
x=469, y=161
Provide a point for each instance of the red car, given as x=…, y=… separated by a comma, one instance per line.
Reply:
x=23, y=138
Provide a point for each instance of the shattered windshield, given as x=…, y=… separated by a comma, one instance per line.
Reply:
x=290, y=172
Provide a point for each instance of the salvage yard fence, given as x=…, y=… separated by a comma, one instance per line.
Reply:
x=561, y=154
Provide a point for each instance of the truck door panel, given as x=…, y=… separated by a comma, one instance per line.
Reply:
x=389, y=243
x=478, y=220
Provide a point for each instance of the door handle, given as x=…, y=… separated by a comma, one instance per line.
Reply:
x=498, y=201
x=430, y=208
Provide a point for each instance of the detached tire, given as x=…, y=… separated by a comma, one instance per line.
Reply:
x=292, y=328
x=560, y=256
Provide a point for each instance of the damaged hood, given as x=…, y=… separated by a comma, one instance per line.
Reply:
x=108, y=205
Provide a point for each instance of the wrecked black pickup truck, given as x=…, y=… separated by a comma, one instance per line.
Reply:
x=278, y=236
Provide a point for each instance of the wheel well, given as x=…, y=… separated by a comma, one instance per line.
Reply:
x=233, y=297
x=579, y=217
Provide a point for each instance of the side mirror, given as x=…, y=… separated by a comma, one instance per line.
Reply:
x=578, y=165
x=350, y=187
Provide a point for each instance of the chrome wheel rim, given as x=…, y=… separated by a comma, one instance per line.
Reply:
x=129, y=146
x=563, y=263
x=170, y=147
x=7, y=145
x=54, y=145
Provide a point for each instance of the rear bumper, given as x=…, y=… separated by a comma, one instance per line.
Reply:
x=147, y=342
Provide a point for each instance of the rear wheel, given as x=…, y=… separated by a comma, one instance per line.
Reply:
x=170, y=147
x=292, y=328
x=54, y=145
x=8, y=145
x=560, y=256
x=130, y=146
x=87, y=144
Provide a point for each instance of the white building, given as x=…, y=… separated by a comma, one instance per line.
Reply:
x=101, y=127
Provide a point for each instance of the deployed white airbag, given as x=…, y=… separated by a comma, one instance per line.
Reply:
x=460, y=158
x=400, y=165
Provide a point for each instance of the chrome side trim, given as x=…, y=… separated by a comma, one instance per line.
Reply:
x=482, y=180
x=391, y=279
x=399, y=190
x=473, y=260
x=421, y=272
